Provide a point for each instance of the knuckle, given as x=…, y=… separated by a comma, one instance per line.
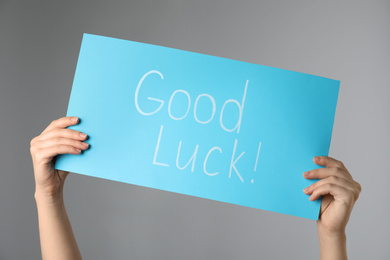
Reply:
x=33, y=145
x=73, y=143
x=57, y=140
x=316, y=193
x=32, y=142
x=32, y=150
x=54, y=122
x=335, y=170
x=61, y=139
x=58, y=133
x=329, y=186
x=359, y=187
x=76, y=134
x=339, y=164
x=333, y=179
x=54, y=132
x=339, y=171
x=79, y=144
x=38, y=155
x=356, y=195
x=313, y=173
x=57, y=121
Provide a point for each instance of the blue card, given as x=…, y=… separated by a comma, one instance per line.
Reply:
x=200, y=125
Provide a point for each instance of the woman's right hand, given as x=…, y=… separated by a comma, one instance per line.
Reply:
x=54, y=140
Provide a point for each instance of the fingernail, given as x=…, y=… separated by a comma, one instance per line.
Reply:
x=316, y=159
x=305, y=190
x=306, y=174
x=78, y=150
x=85, y=145
x=82, y=135
x=74, y=119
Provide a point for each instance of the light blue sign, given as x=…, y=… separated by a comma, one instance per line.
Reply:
x=200, y=125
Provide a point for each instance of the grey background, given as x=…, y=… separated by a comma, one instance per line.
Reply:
x=345, y=40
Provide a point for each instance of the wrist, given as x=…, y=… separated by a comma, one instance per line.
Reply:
x=52, y=193
x=333, y=245
x=332, y=237
x=44, y=198
x=330, y=233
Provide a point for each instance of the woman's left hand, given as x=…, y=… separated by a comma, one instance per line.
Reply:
x=339, y=191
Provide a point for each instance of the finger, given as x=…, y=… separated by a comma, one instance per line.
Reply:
x=65, y=133
x=330, y=180
x=322, y=173
x=62, y=141
x=62, y=123
x=337, y=191
x=48, y=153
x=328, y=162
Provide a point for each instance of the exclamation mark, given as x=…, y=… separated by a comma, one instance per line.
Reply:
x=257, y=159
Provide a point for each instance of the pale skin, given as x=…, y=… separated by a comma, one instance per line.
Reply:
x=336, y=185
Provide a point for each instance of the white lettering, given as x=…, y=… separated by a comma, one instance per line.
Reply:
x=233, y=162
x=157, y=147
x=154, y=99
x=170, y=102
x=193, y=158
x=257, y=157
x=196, y=104
x=241, y=109
x=207, y=157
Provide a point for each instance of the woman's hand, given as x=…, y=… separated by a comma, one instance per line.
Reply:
x=340, y=192
x=54, y=140
x=56, y=234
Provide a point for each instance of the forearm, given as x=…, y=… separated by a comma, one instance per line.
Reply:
x=55, y=231
x=332, y=247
